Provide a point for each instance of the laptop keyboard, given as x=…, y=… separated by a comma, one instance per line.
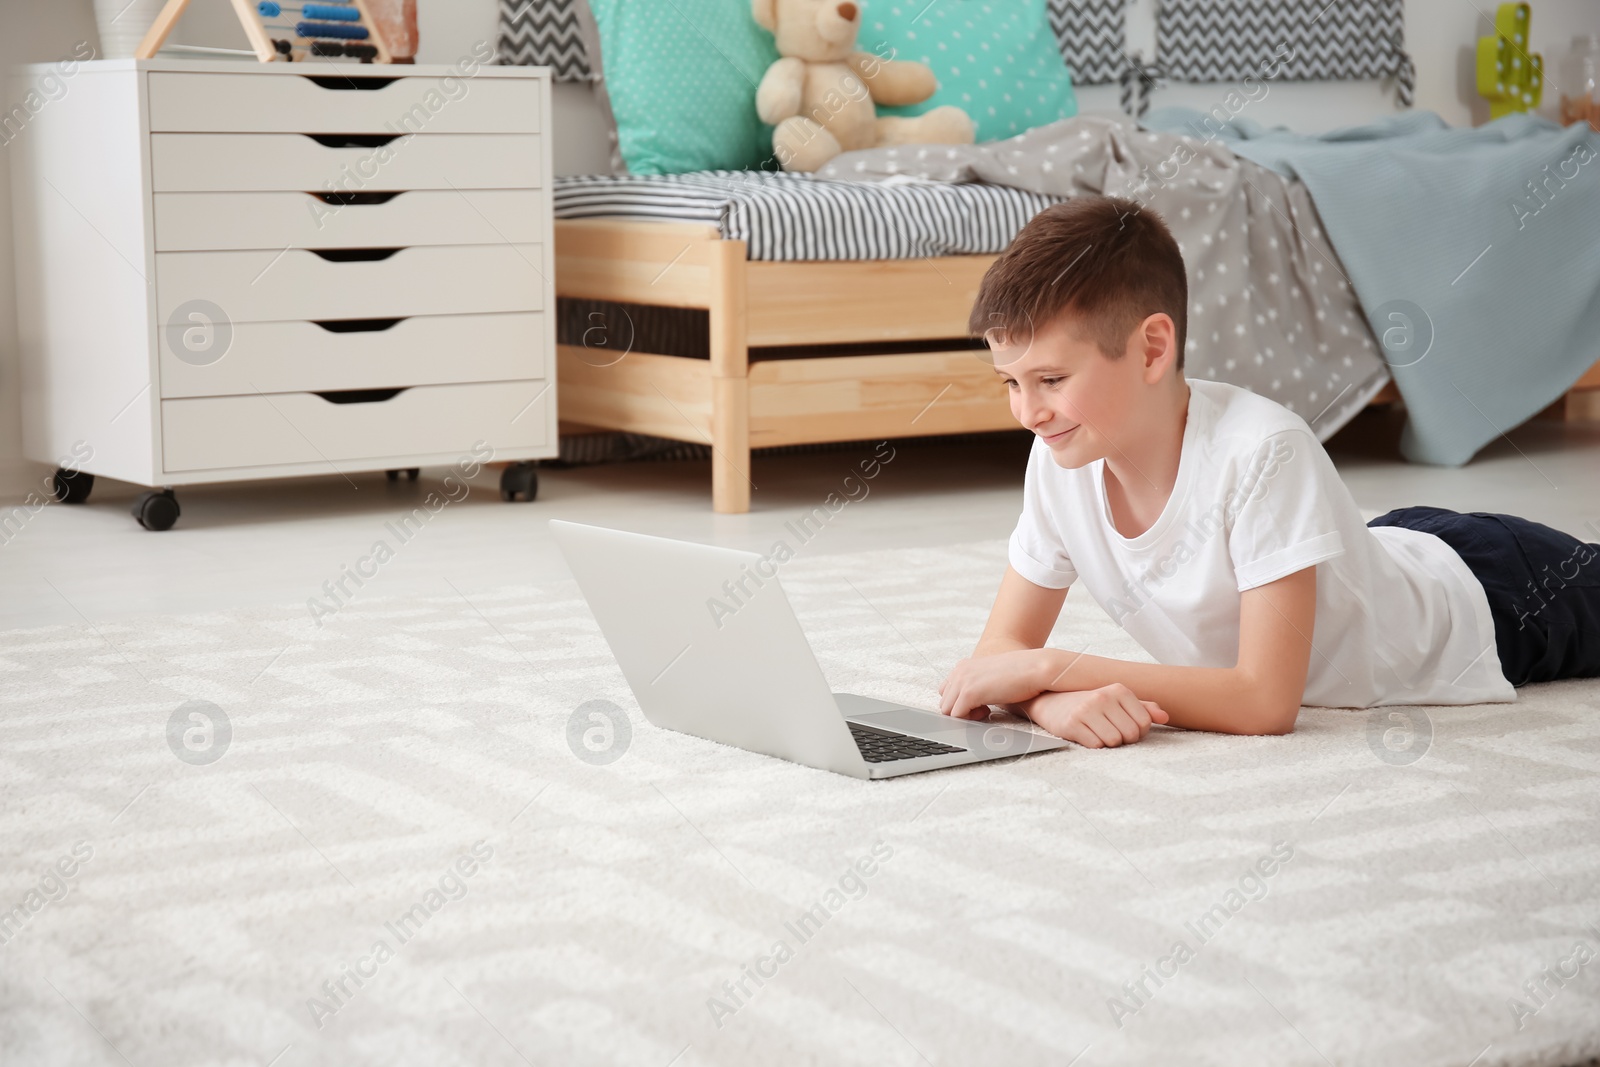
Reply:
x=884, y=746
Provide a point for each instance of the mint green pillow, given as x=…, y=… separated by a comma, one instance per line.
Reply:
x=681, y=76
x=997, y=61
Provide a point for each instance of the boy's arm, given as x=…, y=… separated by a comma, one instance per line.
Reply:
x=1260, y=694
x=1022, y=616
x=1021, y=620
x=1019, y=624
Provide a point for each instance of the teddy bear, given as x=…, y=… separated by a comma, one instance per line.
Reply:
x=821, y=94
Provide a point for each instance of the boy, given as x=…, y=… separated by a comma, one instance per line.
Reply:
x=1211, y=525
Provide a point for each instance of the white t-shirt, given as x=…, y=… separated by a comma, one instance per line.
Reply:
x=1400, y=617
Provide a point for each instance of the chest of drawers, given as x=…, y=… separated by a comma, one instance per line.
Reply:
x=233, y=271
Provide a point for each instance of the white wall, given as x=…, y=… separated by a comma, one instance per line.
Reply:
x=1441, y=37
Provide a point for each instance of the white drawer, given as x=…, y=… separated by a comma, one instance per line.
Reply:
x=294, y=283
x=265, y=430
x=207, y=221
x=285, y=103
x=286, y=357
x=224, y=162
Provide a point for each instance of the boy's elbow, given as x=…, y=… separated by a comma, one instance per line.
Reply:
x=1278, y=726
x=1258, y=726
x=1253, y=720
x=1276, y=719
x=1271, y=706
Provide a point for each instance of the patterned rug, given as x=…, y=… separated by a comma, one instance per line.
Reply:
x=437, y=831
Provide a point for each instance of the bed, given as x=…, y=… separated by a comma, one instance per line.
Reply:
x=822, y=311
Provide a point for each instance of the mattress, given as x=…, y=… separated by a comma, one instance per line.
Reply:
x=797, y=217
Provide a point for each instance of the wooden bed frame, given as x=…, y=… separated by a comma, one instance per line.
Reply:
x=734, y=403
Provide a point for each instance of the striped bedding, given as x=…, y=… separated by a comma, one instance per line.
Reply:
x=797, y=217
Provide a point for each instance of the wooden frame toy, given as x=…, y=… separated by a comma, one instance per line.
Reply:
x=287, y=31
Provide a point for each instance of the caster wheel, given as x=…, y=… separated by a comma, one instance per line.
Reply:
x=519, y=480
x=393, y=476
x=157, y=509
x=72, y=487
x=411, y=474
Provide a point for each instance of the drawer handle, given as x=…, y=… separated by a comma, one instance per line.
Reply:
x=352, y=140
x=354, y=255
x=347, y=199
x=357, y=325
x=341, y=82
x=360, y=396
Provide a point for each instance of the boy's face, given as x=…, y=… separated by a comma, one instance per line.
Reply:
x=1065, y=390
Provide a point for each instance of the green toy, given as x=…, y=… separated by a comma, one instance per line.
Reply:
x=1509, y=77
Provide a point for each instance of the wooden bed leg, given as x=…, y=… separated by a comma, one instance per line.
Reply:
x=730, y=381
x=730, y=440
x=1583, y=405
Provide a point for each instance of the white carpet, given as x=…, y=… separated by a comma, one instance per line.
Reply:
x=1410, y=909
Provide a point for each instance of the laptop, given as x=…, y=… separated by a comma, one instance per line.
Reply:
x=710, y=646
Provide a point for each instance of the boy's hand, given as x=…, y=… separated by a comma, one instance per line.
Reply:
x=1003, y=678
x=1097, y=718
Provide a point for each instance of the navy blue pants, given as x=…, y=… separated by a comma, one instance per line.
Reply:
x=1543, y=587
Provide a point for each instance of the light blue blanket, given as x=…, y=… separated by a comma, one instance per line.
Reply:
x=1475, y=254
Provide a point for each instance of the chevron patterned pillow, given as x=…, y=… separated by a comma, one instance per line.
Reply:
x=543, y=33
x=1092, y=36
x=1306, y=40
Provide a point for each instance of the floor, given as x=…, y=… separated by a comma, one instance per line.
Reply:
x=279, y=542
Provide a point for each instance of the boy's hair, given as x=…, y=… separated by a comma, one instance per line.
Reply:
x=1104, y=259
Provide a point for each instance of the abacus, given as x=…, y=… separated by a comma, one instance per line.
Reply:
x=286, y=31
